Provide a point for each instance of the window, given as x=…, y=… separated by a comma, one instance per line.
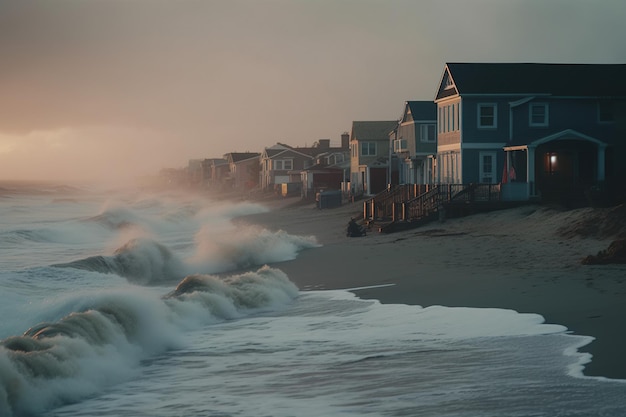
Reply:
x=427, y=133
x=368, y=148
x=399, y=145
x=487, y=167
x=605, y=111
x=538, y=114
x=283, y=164
x=334, y=159
x=487, y=115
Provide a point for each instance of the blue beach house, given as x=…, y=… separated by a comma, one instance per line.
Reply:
x=544, y=131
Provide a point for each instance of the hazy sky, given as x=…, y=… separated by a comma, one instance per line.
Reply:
x=108, y=88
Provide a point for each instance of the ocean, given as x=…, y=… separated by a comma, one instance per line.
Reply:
x=146, y=304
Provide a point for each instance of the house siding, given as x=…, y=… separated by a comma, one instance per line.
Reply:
x=577, y=113
x=407, y=132
x=473, y=133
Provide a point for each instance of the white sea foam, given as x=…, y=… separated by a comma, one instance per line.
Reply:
x=250, y=344
x=330, y=353
x=106, y=335
x=245, y=246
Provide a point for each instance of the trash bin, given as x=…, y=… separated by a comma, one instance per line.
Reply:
x=328, y=199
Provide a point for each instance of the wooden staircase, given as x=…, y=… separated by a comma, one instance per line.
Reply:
x=405, y=207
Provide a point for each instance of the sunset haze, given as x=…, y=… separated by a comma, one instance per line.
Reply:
x=108, y=90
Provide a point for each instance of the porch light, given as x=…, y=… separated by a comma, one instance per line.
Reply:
x=553, y=159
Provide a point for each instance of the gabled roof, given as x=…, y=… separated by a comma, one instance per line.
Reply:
x=375, y=130
x=275, y=151
x=573, y=80
x=421, y=110
x=215, y=161
x=272, y=152
x=241, y=156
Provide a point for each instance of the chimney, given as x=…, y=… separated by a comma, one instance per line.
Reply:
x=345, y=140
x=324, y=143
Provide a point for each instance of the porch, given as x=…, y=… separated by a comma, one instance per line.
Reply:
x=568, y=168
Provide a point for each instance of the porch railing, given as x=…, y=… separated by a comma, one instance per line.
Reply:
x=446, y=194
x=407, y=203
x=384, y=204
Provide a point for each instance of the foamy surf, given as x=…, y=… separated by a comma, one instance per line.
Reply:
x=181, y=341
x=329, y=353
x=104, y=340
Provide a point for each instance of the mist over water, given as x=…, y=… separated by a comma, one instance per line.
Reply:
x=129, y=305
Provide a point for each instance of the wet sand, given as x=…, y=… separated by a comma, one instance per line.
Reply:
x=513, y=259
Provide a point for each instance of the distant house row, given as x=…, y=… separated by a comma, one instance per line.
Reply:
x=542, y=131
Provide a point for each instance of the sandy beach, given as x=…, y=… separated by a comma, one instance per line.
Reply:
x=527, y=259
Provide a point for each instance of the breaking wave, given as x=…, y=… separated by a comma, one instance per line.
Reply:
x=246, y=247
x=142, y=261
x=115, y=218
x=105, y=339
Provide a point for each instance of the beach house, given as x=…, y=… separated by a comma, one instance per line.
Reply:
x=517, y=132
x=243, y=170
x=544, y=131
x=284, y=166
x=370, y=156
x=281, y=164
x=414, y=143
x=213, y=170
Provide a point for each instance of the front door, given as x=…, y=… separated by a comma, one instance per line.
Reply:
x=487, y=168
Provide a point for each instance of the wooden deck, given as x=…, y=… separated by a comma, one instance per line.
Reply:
x=402, y=207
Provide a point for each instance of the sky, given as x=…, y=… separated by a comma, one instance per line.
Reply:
x=115, y=89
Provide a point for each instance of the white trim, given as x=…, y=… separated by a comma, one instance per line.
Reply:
x=449, y=148
x=563, y=133
x=419, y=121
x=369, y=142
x=515, y=148
x=426, y=126
x=495, y=115
x=520, y=101
x=454, y=98
x=546, y=114
x=283, y=150
x=439, y=85
x=494, y=168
